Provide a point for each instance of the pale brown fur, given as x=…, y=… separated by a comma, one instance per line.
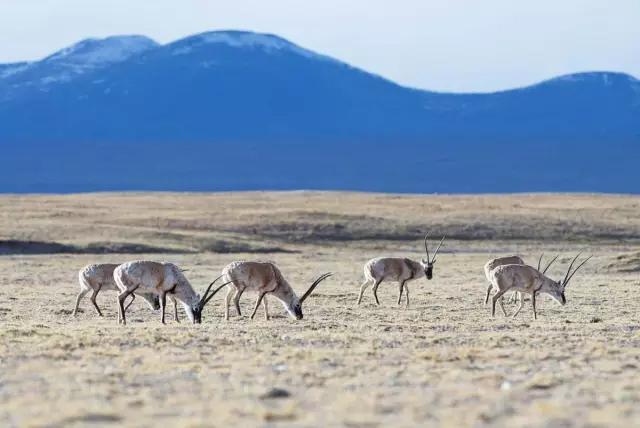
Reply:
x=529, y=280
x=263, y=278
x=99, y=277
x=154, y=278
x=494, y=263
x=400, y=270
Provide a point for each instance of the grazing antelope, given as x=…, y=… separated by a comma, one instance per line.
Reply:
x=98, y=277
x=509, y=260
x=494, y=263
x=160, y=279
x=401, y=270
x=527, y=279
x=265, y=278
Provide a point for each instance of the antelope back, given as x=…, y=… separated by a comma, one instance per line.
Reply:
x=494, y=263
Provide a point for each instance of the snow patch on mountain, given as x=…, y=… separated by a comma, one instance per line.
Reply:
x=90, y=53
x=246, y=40
x=7, y=70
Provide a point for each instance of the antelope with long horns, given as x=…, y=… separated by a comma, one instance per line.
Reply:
x=264, y=278
x=529, y=280
x=161, y=279
x=401, y=270
x=99, y=277
x=508, y=260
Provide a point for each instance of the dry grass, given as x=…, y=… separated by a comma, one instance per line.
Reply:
x=444, y=361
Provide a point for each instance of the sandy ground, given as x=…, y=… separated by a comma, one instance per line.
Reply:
x=443, y=361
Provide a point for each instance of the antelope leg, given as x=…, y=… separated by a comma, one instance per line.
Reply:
x=363, y=287
x=227, y=302
x=502, y=306
x=260, y=297
x=486, y=299
x=163, y=303
x=175, y=309
x=93, y=299
x=375, y=291
x=133, y=297
x=495, y=299
x=266, y=308
x=236, y=300
x=82, y=293
x=406, y=287
x=520, y=306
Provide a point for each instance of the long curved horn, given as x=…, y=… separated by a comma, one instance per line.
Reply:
x=214, y=293
x=314, y=285
x=539, y=261
x=576, y=270
x=564, y=281
x=426, y=246
x=206, y=293
x=437, y=249
x=549, y=264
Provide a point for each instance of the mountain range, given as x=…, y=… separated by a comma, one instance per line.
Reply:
x=234, y=110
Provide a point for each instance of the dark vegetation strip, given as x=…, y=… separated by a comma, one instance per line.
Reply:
x=15, y=247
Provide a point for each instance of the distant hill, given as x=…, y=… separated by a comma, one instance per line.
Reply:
x=234, y=110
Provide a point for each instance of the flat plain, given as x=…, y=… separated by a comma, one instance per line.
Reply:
x=444, y=361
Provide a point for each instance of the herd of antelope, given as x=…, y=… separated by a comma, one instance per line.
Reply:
x=154, y=281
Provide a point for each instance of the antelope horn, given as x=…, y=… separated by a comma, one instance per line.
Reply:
x=564, y=281
x=437, y=249
x=215, y=291
x=576, y=270
x=426, y=246
x=540, y=261
x=206, y=293
x=314, y=285
x=549, y=264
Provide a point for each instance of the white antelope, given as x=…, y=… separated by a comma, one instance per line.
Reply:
x=527, y=279
x=265, y=278
x=160, y=279
x=401, y=270
x=99, y=277
x=508, y=260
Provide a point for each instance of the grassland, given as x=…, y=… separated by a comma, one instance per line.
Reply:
x=443, y=361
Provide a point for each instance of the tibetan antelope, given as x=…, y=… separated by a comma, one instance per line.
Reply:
x=401, y=270
x=529, y=280
x=99, y=277
x=265, y=278
x=160, y=279
x=508, y=260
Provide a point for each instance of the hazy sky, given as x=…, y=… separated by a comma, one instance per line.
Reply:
x=472, y=45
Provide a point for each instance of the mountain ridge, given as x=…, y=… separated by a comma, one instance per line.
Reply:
x=229, y=93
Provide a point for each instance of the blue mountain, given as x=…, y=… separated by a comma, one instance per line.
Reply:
x=231, y=110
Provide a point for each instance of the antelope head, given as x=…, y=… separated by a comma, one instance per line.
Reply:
x=295, y=306
x=557, y=288
x=194, y=311
x=427, y=264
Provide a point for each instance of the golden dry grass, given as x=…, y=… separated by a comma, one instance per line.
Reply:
x=444, y=361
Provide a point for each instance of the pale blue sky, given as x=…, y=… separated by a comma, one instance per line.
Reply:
x=448, y=45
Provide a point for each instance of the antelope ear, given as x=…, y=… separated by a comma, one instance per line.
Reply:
x=424, y=261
